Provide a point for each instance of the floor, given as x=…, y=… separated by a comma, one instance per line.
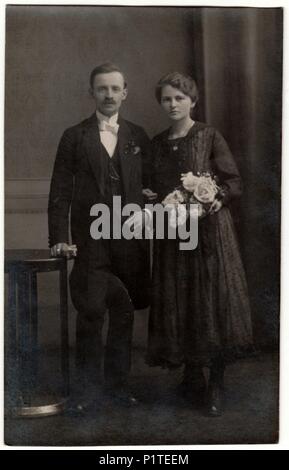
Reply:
x=164, y=418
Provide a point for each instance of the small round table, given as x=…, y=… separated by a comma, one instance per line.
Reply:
x=21, y=326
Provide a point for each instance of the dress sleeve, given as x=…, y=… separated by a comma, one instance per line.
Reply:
x=227, y=171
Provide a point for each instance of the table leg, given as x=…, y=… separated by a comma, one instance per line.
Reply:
x=34, y=327
x=11, y=352
x=64, y=329
x=24, y=337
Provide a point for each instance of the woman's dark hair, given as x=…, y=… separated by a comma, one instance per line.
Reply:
x=108, y=67
x=184, y=83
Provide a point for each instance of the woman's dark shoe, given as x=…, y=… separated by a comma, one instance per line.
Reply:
x=215, y=397
x=193, y=386
x=215, y=402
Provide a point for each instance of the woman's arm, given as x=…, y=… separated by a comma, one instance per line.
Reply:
x=227, y=171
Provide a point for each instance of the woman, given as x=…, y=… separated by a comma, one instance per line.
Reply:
x=200, y=314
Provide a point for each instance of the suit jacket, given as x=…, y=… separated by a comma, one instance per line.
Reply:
x=79, y=179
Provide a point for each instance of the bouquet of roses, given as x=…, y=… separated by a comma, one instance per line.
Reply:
x=200, y=189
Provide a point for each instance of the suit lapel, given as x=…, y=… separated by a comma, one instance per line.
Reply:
x=126, y=158
x=92, y=146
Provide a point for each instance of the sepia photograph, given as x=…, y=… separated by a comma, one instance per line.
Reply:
x=142, y=154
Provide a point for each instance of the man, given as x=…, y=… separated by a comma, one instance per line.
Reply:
x=102, y=157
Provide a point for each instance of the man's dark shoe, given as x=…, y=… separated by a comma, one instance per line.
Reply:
x=82, y=408
x=122, y=397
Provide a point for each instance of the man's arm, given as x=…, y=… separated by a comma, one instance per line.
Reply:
x=146, y=156
x=144, y=218
x=148, y=194
x=61, y=190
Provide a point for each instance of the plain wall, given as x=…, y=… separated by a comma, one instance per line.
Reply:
x=50, y=52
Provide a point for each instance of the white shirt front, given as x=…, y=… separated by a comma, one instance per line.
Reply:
x=108, y=130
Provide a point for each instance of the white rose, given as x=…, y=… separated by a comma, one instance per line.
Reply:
x=205, y=190
x=190, y=181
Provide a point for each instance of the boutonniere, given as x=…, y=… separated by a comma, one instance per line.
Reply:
x=132, y=148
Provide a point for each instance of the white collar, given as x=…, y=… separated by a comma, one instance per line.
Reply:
x=110, y=120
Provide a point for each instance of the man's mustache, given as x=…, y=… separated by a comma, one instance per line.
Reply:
x=109, y=102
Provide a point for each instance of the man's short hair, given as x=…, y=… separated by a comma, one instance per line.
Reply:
x=107, y=67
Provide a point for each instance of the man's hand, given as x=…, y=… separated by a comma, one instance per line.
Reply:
x=63, y=250
x=149, y=194
x=137, y=221
x=216, y=206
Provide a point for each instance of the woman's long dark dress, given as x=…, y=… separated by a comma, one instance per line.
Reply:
x=200, y=308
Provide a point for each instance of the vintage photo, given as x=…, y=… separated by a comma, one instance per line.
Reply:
x=142, y=225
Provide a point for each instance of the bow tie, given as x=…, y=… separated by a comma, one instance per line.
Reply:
x=104, y=126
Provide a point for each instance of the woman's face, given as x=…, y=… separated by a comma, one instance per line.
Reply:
x=175, y=103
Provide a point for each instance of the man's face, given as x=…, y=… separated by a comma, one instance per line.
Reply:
x=108, y=92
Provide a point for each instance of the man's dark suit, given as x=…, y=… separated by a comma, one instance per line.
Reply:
x=104, y=270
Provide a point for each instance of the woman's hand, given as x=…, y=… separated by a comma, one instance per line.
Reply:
x=216, y=206
x=149, y=194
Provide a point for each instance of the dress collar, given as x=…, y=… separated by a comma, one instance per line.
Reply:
x=193, y=130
